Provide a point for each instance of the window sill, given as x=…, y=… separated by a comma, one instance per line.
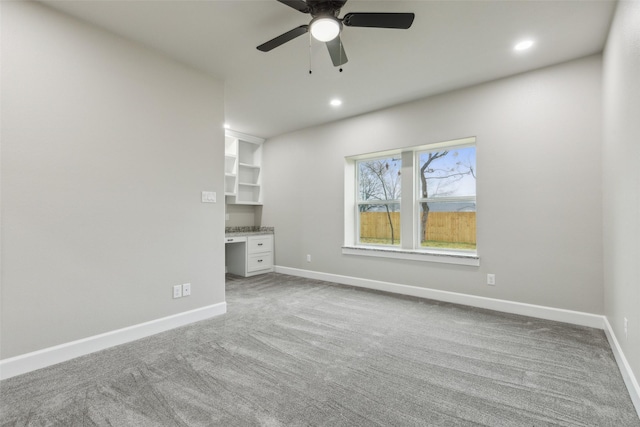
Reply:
x=413, y=255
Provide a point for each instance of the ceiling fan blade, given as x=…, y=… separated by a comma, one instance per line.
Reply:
x=283, y=38
x=299, y=5
x=379, y=20
x=336, y=51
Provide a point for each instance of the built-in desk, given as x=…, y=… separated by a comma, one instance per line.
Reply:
x=248, y=253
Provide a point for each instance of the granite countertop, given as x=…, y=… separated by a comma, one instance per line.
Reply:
x=246, y=231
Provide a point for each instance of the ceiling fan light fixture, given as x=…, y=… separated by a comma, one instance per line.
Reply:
x=325, y=28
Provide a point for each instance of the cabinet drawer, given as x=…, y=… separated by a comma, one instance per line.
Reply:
x=258, y=244
x=235, y=239
x=260, y=262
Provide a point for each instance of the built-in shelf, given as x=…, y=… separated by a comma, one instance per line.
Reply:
x=243, y=168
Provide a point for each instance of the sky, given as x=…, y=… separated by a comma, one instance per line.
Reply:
x=450, y=175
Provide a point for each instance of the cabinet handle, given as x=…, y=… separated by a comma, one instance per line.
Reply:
x=259, y=260
x=259, y=244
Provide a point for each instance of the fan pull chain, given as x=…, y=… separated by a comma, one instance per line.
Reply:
x=341, y=49
x=310, y=52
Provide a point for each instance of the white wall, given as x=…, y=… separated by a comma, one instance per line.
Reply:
x=621, y=170
x=538, y=192
x=106, y=147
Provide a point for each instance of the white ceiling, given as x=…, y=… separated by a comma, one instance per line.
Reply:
x=452, y=44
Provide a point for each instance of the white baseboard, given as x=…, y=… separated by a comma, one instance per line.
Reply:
x=625, y=369
x=50, y=356
x=539, y=311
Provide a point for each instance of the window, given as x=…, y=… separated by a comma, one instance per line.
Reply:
x=436, y=217
x=447, y=198
x=379, y=190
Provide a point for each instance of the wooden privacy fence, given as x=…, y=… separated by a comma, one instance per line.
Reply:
x=456, y=227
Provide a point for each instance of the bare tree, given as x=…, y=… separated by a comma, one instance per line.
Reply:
x=380, y=181
x=424, y=170
x=369, y=187
x=443, y=179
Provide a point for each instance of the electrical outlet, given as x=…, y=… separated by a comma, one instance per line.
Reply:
x=491, y=279
x=308, y=258
x=626, y=327
x=177, y=291
x=186, y=289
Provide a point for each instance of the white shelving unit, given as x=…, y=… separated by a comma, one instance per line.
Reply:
x=230, y=166
x=243, y=169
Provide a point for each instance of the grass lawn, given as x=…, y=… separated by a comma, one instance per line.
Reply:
x=425, y=244
x=374, y=241
x=448, y=245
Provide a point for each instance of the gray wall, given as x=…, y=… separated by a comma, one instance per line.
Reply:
x=621, y=170
x=106, y=147
x=538, y=193
x=243, y=215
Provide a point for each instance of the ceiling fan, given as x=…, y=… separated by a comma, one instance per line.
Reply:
x=326, y=26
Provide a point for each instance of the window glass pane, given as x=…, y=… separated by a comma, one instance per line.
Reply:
x=448, y=172
x=447, y=198
x=379, y=224
x=379, y=179
x=448, y=224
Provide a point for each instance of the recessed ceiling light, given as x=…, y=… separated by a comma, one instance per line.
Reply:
x=226, y=126
x=523, y=45
x=335, y=102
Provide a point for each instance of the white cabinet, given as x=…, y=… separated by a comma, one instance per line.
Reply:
x=259, y=253
x=243, y=169
x=250, y=255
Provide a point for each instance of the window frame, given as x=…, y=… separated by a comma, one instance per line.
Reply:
x=410, y=242
x=419, y=199
x=359, y=202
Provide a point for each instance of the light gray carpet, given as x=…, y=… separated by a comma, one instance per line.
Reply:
x=300, y=352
